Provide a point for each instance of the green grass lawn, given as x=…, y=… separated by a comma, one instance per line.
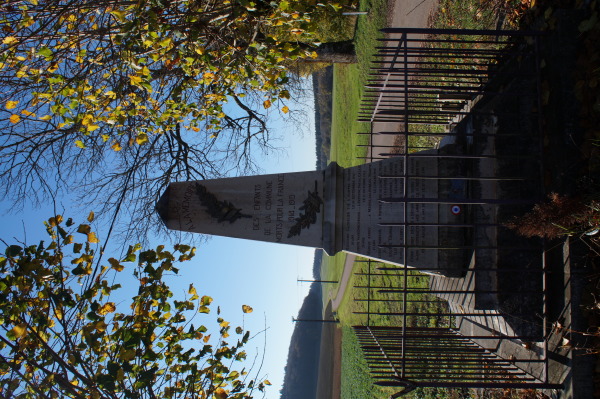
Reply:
x=345, y=128
x=349, y=81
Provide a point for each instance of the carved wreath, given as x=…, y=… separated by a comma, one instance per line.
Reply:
x=223, y=211
x=311, y=206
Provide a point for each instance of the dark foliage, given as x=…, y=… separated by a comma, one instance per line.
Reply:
x=301, y=371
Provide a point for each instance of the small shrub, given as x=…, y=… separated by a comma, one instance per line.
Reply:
x=562, y=215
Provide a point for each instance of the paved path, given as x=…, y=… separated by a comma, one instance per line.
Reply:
x=405, y=14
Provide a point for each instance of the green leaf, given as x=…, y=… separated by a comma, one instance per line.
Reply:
x=204, y=309
x=129, y=258
x=206, y=300
x=45, y=52
x=120, y=15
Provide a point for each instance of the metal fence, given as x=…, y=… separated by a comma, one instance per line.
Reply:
x=482, y=330
x=428, y=79
x=416, y=333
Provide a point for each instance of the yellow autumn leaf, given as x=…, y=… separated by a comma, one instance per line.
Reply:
x=91, y=217
x=267, y=382
x=115, y=264
x=20, y=330
x=267, y=104
x=195, y=128
x=224, y=324
x=135, y=79
x=166, y=42
x=92, y=238
x=100, y=326
x=206, y=338
x=91, y=128
x=79, y=144
x=108, y=307
x=28, y=113
x=247, y=309
x=141, y=138
x=116, y=146
x=46, y=117
x=14, y=118
x=9, y=40
x=87, y=119
x=285, y=109
x=11, y=104
x=119, y=14
x=220, y=393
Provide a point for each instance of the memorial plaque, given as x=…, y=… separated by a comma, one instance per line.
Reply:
x=376, y=229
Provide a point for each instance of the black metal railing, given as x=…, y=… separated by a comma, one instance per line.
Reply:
x=428, y=79
x=424, y=331
x=480, y=91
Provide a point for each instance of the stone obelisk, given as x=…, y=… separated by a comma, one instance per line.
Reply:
x=338, y=209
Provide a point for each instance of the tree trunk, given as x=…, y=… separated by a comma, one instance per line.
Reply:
x=335, y=52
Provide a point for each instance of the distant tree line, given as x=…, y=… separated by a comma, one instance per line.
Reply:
x=302, y=368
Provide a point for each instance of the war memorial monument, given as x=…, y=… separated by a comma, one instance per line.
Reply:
x=355, y=210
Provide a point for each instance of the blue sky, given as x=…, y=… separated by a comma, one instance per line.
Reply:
x=232, y=271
